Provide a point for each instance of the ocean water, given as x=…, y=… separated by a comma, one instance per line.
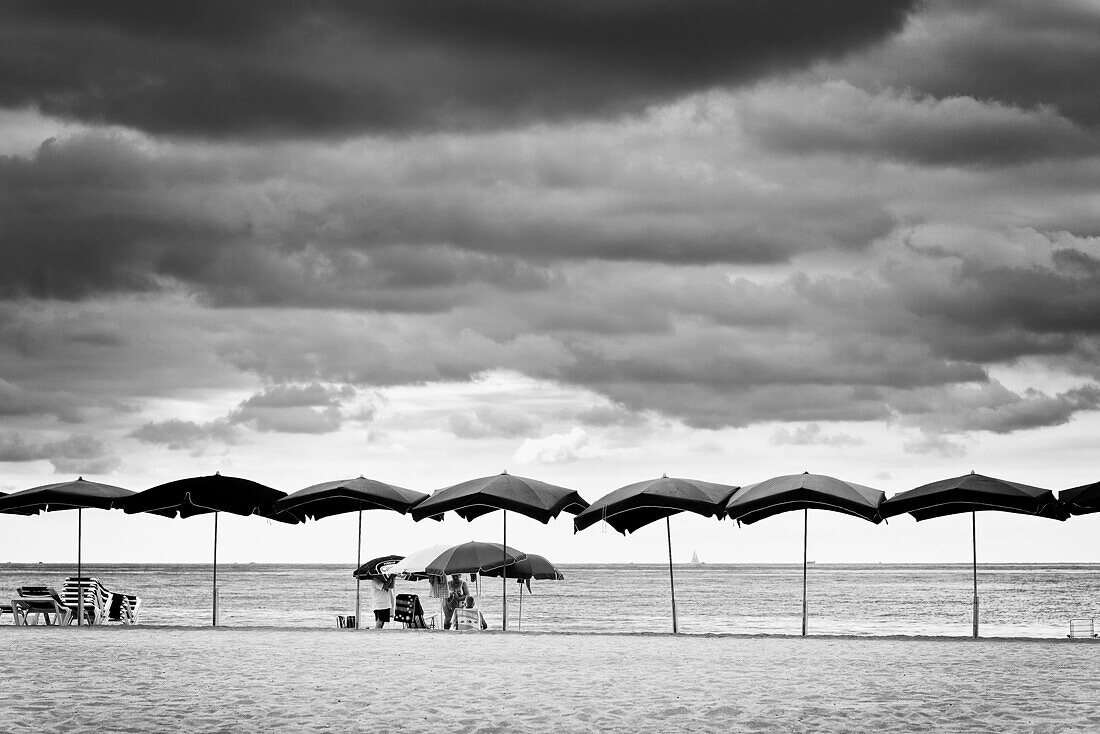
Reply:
x=1016, y=600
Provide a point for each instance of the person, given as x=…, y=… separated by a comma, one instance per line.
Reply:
x=457, y=591
x=383, y=599
x=480, y=617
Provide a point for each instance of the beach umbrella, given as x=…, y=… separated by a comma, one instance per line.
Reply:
x=636, y=505
x=473, y=557
x=348, y=495
x=973, y=493
x=1081, y=500
x=412, y=566
x=377, y=568
x=477, y=497
x=75, y=495
x=209, y=494
x=803, y=492
x=532, y=567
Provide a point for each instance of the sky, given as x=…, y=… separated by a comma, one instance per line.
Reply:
x=588, y=243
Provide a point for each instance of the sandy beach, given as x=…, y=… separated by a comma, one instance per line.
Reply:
x=158, y=679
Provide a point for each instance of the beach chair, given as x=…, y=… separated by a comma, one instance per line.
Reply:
x=409, y=612
x=96, y=598
x=469, y=617
x=1082, y=627
x=41, y=602
x=123, y=608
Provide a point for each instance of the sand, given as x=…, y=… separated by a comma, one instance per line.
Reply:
x=230, y=679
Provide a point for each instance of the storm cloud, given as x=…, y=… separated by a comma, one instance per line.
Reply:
x=339, y=68
x=226, y=226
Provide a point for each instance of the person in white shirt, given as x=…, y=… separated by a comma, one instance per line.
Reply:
x=383, y=599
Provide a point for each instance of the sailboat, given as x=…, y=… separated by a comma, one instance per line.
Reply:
x=695, y=559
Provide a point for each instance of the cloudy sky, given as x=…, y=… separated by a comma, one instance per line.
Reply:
x=589, y=243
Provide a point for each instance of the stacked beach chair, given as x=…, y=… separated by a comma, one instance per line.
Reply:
x=86, y=595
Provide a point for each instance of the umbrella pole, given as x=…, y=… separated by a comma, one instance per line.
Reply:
x=79, y=567
x=214, y=604
x=974, y=539
x=521, y=605
x=671, y=580
x=504, y=578
x=805, y=544
x=358, y=563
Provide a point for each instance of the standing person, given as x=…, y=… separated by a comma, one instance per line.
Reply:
x=383, y=599
x=457, y=591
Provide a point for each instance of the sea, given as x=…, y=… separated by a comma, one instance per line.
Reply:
x=1016, y=600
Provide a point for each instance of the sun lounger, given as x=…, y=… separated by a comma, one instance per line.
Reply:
x=123, y=608
x=95, y=598
x=41, y=603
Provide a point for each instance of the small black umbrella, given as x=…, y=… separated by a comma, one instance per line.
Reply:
x=75, y=495
x=636, y=505
x=348, y=495
x=972, y=493
x=803, y=492
x=373, y=569
x=532, y=567
x=504, y=491
x=215, y=493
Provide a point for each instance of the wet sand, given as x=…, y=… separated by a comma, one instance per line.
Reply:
x=232, y=679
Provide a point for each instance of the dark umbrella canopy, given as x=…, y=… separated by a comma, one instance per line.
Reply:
x=636, y=505
x=347, y=495
x=73, y=495
x=532, y=567
x=473, y=557
x=372, y=568
x=801, y=492
x=1080, y=500
x=215, y=493
x=478, y=497
x=973, y=493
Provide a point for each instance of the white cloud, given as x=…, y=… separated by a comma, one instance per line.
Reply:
x=558, y=448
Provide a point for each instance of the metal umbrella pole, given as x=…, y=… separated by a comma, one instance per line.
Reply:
x=671, y=580
x=504, y=578
x=79, y=568
x=805, y=543
x=214, y=605
x=974, y=538
x=358, y=563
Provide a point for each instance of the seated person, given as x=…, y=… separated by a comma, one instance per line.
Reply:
x=480, y=617
x=457, y=593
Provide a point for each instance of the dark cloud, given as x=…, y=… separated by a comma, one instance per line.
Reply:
x=341, y=67
x=293, y=409
x=1019, y=52
x=77, y=454
x=101, y=213
x=840, y=119
x=179, y=434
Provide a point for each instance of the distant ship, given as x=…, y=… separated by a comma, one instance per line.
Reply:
x=695, y=559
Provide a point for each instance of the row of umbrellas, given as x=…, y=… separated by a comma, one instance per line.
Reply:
x=217, y=493
x=626, y=509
